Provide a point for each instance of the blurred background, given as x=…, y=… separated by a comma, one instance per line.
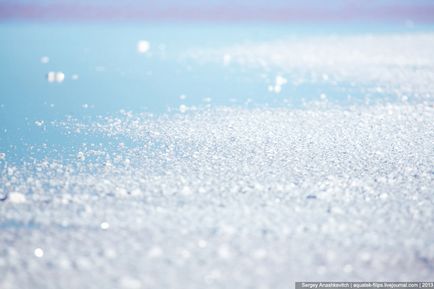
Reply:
x=219, y=10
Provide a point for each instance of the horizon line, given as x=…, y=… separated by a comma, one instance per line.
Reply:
x=68, y=12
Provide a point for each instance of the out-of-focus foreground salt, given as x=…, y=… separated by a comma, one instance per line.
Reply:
x=228, y=197
x=400, y=64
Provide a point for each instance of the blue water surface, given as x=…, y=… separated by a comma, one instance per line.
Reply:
x=113, y=76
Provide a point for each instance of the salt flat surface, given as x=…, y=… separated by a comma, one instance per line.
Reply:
x=396, y=64
x=235, y=197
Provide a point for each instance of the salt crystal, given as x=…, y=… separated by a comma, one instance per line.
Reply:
x=143, y=46
x=51, y=76
x=39, y=252
x=183, y=108
x=60, y=77
x=105, y=226
x=16, y=198
x=280, y=80
x=39, y=122
x=81, y=156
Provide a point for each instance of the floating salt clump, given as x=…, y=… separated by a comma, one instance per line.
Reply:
x=39, y=252
x=2, y=156
x=39, y=122
x=104, y=226
x=45, y=59
x=183, y=108
x=182, y=97
x=75, y=77
x=53, y=76
x=17, y=198
x=60, y=77
x=143, y=46
x=278, y=83
x=81, y=156
x=277, y=89
x=384, y=196
x=280, y=80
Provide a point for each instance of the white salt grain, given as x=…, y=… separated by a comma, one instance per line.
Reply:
x=16, y=198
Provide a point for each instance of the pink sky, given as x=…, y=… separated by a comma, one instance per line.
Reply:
x=277, y=11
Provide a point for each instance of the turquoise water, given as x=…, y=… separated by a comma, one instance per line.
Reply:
x=113, y=76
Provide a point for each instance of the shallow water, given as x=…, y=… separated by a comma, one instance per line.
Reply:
x=104, y=73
